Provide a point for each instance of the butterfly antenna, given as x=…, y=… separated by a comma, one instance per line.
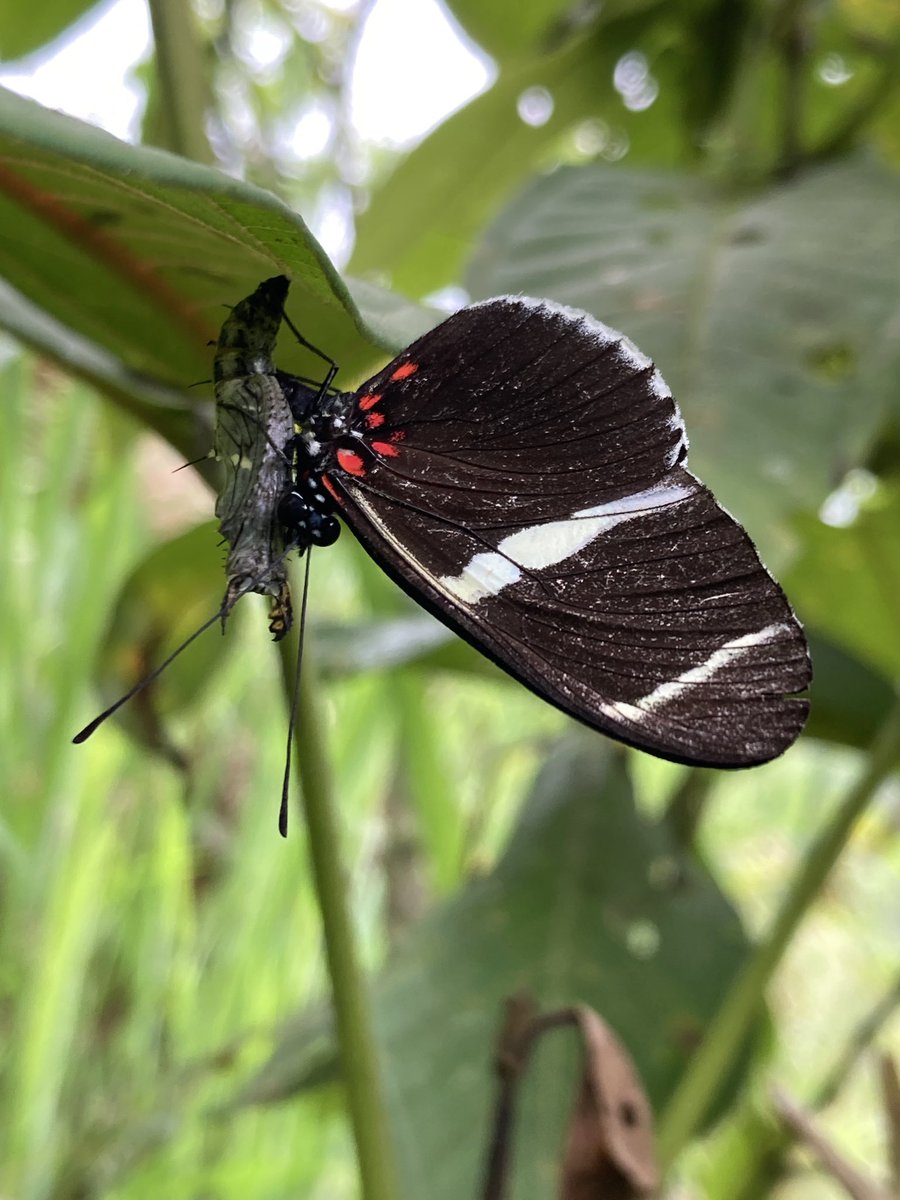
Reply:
x=203, y=458
x=332, y=365
x=295, y=700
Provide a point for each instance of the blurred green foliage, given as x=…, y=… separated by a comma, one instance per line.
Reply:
x=720, y=180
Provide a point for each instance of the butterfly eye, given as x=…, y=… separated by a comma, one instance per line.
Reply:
x=293, y=511
x=324, y=529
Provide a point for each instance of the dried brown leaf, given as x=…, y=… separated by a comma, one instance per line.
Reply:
x=609, y=1152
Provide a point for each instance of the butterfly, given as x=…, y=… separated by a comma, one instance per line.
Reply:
x=521, y=472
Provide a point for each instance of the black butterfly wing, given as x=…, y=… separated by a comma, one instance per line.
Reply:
x=519, y=471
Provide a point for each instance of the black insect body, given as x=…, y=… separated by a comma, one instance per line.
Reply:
x=521, y=472
x=272, y=499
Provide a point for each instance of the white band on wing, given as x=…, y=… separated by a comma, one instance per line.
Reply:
x=665, y=693
x=552, y=542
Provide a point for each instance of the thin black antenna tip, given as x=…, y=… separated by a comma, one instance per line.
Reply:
x=283, y=818
x=92, y=726
x=85, y=733
x=220, y=614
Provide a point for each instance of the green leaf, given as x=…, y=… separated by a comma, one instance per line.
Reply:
x=122, y=261
x=771, y=317
x=378, y=644
x=507, y=30
x=167, y=410
x=513, y=29
x=847, y=582
x=420, y=224
x=589, y=904
x=848, y=699
x=138, y=251
x=28, y=27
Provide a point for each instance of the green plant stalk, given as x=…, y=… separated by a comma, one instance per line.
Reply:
x=733, y=1021
x=182, y=77
x=686, y=807
x=353, y=1020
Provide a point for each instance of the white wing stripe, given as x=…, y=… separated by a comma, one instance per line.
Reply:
x=737, y=648
x=552, y=542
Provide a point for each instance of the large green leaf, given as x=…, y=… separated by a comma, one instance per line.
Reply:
x=772, y=317
x=848, y=581
x=136, y=252
x=378, y=644
x=167, y=409
x=421, y=222
x=589, y=904
x=27, y=27
x=848, y=699
x=513, y=29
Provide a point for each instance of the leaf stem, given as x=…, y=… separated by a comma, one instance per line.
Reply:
x=733, y=1021
x=182, y=77
x=356, y=1040
x=688, y=803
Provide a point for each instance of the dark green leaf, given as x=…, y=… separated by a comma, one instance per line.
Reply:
x=847, y=582
x=771, y=317
x=28, y=27
x=139, y=251
x=511, y=29
x=848, y=700
x=421, y=222
x=167, y=410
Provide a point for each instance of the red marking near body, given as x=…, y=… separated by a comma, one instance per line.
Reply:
x=404, y=371
x=369, y=400
x=331, y=488
x=373, y=420
x=385, y=448
x=350, y=462
x=398, y=435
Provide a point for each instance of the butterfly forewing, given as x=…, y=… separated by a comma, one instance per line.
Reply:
x=519, y=470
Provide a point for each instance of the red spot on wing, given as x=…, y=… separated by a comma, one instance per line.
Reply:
x=369, y=400
x=398, y=435
x=373, y=420
x=350, y=462
x=385, y=448
x=404, y=371
x=332, y=489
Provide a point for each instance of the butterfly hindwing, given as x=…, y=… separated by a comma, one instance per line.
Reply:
x=520, y=471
